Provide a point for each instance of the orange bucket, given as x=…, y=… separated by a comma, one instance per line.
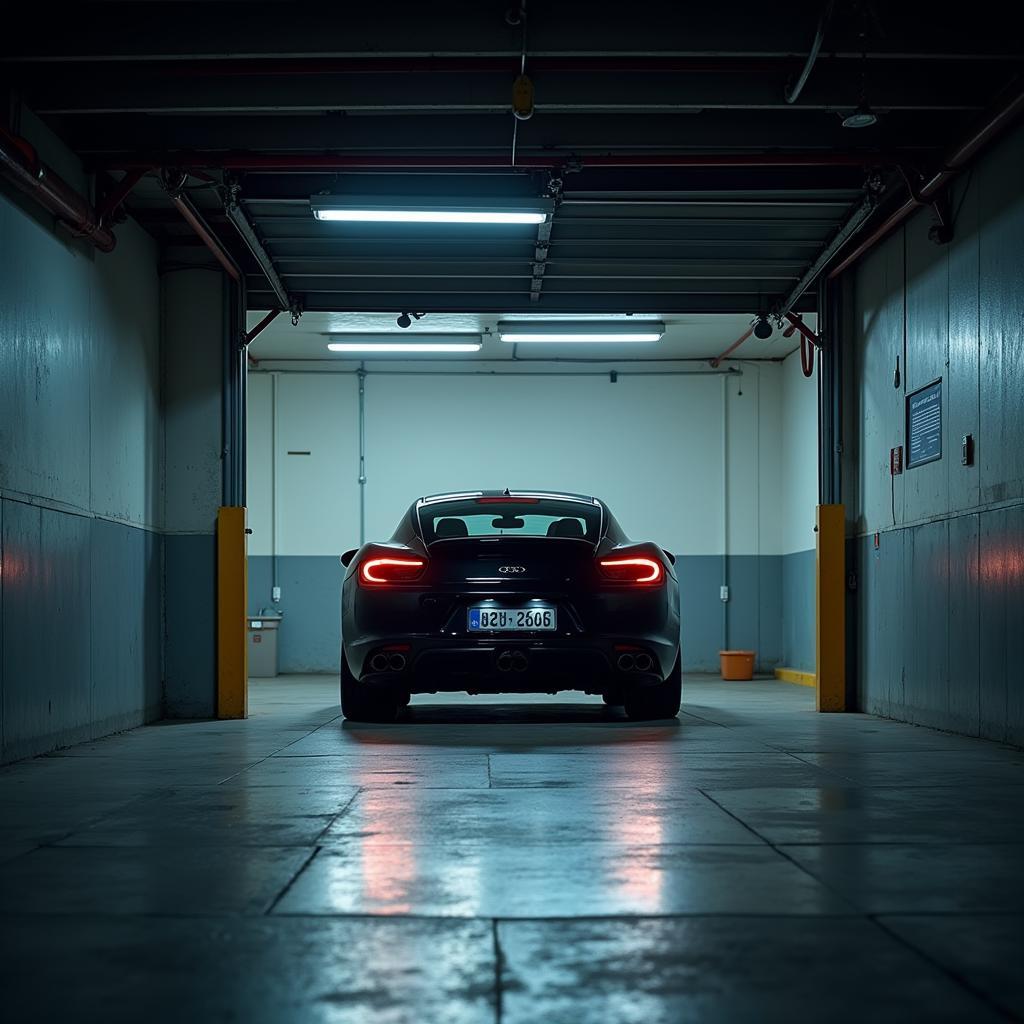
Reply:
x=737, y=664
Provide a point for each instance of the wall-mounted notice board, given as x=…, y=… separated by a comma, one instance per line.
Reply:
x=924, y=424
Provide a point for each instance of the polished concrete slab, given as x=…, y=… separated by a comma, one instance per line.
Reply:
x=527, y=859
x=752, y=970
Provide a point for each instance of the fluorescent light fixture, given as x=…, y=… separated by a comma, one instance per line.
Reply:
x=396, y=343
x=420, y=210
x=581, y=330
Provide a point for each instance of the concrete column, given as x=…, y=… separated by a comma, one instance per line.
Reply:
x=194, y=303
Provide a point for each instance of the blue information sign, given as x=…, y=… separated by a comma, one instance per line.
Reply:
x=924, y=425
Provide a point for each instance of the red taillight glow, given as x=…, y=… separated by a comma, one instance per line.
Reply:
x=376, y=571
x=633, y=570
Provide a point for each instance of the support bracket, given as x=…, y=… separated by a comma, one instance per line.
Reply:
x=109, y=207
x=798, y=324
x=251, y=335
x=240, y=219
x=543, y=244
x=941, y=232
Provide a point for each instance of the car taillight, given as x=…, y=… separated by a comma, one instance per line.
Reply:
x=638, y=569
x=379, y=570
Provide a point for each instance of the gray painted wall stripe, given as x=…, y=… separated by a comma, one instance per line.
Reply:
x=309, y=638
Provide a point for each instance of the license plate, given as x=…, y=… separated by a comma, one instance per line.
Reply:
x=512, y=620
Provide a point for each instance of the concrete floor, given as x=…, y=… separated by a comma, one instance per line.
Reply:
x=497, y=861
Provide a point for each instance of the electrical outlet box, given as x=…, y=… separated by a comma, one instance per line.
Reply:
x=724, y=593
x=275, y=594
x=967, y=450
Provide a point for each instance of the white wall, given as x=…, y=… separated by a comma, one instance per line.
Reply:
x=799, y=459
x=651, y=446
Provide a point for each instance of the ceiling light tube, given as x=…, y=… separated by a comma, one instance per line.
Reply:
x=423, y=343
x=420, y=210
x=613, y=331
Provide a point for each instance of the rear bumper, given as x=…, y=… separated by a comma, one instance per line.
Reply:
x=515, y=665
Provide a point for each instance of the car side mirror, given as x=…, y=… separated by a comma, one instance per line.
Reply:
x=346, y=559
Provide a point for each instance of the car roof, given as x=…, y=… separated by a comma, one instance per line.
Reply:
x=554, y=495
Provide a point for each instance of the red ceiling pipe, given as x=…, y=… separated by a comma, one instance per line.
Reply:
x=955, y=161
x=732, y=348
x=809, y=342
x=195, y=221
x=346, y=161
x=21, y=164
x=798, y=324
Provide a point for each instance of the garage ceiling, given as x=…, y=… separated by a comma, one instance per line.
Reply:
x=687, y=182
x=695, y=336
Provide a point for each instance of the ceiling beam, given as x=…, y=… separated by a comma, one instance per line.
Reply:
x=835, y=87
x=160, y=32
x=480, y=140
x=665, y=302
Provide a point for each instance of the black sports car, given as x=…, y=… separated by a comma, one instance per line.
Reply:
x=498, y=592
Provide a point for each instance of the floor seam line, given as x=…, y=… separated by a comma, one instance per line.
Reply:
x=340, y=814
x=291, y=881
x=274, y=753
x=947, y=972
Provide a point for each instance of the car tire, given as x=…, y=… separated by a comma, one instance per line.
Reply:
x=659, y=701
x=361, y=704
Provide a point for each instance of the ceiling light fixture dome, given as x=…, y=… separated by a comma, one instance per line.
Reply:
x=862, y=117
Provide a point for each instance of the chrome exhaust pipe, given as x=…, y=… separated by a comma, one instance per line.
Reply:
x=396, y=662
x=519, y=662
x=643, y=662
x=505, y=661
x=625, y=663
x=379, y=662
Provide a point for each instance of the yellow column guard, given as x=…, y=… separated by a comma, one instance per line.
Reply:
x=232, y=653
x=830, y=609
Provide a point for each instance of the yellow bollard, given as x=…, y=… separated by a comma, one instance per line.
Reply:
x=232, y=653
x=830, y=609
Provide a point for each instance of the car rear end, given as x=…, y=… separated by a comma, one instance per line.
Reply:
x=511, y=593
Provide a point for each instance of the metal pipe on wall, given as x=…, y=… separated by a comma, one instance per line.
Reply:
x=21, y=165
x=954, y=162
x=274, y=584
x=725, y=513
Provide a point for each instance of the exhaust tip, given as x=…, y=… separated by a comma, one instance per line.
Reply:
x=519, y=662
x=505, y=662
x=643, y=663
x=396, y=662
x=625, y=663
x=379, y=663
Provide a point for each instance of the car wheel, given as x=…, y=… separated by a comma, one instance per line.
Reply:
x=361, y=704
x=660, y=701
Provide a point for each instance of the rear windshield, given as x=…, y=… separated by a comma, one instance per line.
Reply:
x=515, y=517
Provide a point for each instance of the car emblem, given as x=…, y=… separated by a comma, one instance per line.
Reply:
x=512, y=570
